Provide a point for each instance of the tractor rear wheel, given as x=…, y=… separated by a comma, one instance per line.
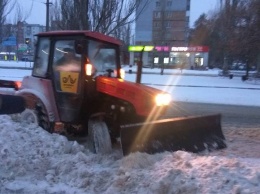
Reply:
x=29, y=116
x=43, y=119
x=99, y=137
x=38, y=116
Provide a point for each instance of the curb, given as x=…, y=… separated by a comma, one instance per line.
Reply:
x=193, y=86
x=168, y=73
x=23, y=68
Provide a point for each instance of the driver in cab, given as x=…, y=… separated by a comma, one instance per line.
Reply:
x=68, y=62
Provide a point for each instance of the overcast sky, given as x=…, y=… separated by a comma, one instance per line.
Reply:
x=38, y=13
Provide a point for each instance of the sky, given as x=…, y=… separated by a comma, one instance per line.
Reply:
x=199, y=7
x=33, y=161
x=38, y=13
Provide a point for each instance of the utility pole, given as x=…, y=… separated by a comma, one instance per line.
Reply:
x=87, y=2
x=47, y=14
x=221, y=4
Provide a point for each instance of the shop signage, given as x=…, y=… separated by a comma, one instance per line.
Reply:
x=190, y=49
x=139, y=48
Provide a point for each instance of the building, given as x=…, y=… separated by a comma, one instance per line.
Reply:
x=164, y=24
x=26, y=36
x=20, y=39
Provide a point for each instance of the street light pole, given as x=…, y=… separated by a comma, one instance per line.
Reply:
x=47, y=14
x=87, y=2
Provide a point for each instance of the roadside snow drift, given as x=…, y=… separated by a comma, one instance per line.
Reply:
x=33, y=161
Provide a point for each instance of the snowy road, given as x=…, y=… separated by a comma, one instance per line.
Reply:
x=187, y=87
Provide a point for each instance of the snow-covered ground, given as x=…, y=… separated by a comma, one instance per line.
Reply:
x=34, y=161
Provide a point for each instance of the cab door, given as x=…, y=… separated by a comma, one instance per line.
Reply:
x=67, y=75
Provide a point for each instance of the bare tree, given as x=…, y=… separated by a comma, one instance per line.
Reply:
x=232, y=34
x=241, y=40
x=105, y=16
x=248, y=26
x=6, y=7
x=201, y=34
x=55, y=16
x=21, y=15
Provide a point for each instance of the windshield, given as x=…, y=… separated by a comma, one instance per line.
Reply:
x=65, y=57
x=102, y=56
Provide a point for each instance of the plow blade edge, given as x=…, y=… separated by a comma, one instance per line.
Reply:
x=192, y=134
x=10, y=104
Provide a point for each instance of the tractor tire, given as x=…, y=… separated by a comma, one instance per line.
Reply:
x=29, y=116
x=43, y=119
x=99, y=137
x=38, y=116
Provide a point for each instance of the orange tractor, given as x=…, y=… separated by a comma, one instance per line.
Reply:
x=77, y=86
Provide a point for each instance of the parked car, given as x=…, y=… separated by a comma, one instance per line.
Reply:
x=238, y=66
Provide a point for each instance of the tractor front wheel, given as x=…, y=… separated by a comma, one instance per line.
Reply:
x=99, y=137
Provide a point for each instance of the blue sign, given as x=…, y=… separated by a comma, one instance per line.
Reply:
x=10, y=41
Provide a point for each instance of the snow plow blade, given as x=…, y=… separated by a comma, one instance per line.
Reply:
x=10, y=104
x=192, y=134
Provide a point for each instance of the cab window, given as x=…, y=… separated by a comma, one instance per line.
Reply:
x=41, y=58
x=65, y=57
x=102, y=56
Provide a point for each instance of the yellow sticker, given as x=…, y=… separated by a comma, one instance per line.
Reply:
x=69, y=81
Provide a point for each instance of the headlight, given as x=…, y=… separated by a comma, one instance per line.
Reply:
x=122, y=73
x=163, y=99
x=88, y=69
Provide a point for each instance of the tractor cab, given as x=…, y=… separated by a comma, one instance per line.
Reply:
x=72, y=61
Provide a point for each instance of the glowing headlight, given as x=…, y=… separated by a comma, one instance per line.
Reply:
x=163, y=99
x=122, y=73
x=88, y=69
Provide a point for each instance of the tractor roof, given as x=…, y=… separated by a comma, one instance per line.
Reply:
x=91, y=34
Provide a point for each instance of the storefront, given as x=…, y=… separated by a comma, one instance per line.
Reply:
x=8, y=56
x=195, y=57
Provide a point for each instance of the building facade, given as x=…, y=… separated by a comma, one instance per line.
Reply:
x=23, y=39
x=164, y=24
x=26, y=37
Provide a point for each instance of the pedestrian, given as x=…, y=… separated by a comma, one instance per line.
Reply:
x=182, y=66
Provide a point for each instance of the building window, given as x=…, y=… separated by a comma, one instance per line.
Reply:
x=168, y=24
x=168, y=14
x=156, y=24
x=188, y=7
x=157, y=14
x=169, y=3
x=168, y=36
x=158, y=4
x=156, y=35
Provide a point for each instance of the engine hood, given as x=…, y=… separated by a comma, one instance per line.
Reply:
x=142, y=97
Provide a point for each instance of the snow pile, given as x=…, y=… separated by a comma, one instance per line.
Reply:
x=34, y=161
